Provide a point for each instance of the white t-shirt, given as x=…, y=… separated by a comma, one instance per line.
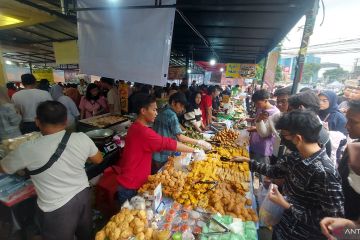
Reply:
x=65, y=178
x=267, y=128
x=82, y=89
x=113, y=98
x=27, y=101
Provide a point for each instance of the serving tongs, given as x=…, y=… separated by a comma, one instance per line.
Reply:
x=214, y=142
x=226, y=229
x=225, y=159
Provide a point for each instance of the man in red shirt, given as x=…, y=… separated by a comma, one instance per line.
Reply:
x=206, y=104
x=11, y=89
x=141, y=142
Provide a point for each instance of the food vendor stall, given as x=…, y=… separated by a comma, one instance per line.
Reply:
x=201, y=196
x=107, y=131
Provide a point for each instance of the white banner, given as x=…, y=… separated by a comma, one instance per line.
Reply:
x=128, y=44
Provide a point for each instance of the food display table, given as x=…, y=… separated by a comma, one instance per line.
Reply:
x=192, y=197
x=17, y=202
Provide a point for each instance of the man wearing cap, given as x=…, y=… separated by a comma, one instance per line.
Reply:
x=167, y=124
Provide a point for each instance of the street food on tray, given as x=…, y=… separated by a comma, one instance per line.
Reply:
x=172, y=182
x=228, y=199
x=226, y=137
x=191, y=133
x=212, y=184
x=231, y=152
x=128, y=223
x=13, y=143
x=105, y=121
x=161, y=235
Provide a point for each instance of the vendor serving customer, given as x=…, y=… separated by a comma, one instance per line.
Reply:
x=167, y=125
x=141, y=142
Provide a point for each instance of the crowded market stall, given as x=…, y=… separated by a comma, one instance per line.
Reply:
x=203, y=195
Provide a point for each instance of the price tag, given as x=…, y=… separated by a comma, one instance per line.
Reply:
x=158, y=196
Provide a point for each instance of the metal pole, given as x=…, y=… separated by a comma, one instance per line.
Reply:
x=263, y=75
x=30, y=65
x=187, y=67
x=308, y=30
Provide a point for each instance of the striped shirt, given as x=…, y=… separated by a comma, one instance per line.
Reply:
x=313, y=186
x=193, y=117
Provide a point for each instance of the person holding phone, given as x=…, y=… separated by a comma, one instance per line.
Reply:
x=261, y=148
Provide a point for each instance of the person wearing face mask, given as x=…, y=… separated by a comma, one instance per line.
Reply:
x=310, y=101
x=312, y=187
x=167, y=125
x=349, y=168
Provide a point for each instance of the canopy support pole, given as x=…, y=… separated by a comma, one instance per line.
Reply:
x=263, y=75
x=308, y=30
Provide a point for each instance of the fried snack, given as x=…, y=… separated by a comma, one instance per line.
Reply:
x=226, y=137
x=127, y=223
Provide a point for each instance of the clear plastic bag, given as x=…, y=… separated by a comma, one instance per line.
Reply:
x=270, y=213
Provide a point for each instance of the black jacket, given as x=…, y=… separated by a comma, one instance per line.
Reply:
x=352, y=198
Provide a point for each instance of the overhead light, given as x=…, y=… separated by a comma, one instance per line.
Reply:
x=7, y=20
x=8, y=62
x=212, y=62
x=221, y=69
x=189, y=71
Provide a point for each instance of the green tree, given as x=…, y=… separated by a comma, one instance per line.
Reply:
x=337, y=74
x=260, y=69
x=278, y=74
x=310, y=71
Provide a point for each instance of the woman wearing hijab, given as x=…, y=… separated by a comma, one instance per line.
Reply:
x=9, y=118
x=330, y=113
x=93, y=104
x=193, y=115
x=72, y=112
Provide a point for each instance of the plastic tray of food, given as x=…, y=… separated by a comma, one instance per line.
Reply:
x=104, y=121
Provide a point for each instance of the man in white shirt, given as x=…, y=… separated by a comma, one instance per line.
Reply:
x=113, y=96
x=27, y=100
x=61, y=185
x=82, y=87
